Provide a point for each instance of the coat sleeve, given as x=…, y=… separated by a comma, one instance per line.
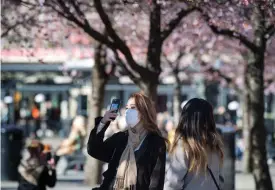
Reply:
x=97, y=147
x=177, y=170
x=158, y=173
x=49, y=177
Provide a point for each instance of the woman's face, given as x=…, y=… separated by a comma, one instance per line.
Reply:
x=131, y=104
x=132, y=115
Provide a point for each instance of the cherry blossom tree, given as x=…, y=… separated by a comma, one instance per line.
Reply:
x=198, y=47
x=134, y=31
x=252, y=24
x=146, y=74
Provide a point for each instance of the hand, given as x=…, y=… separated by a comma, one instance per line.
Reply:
x=108, y=116
x=51, y=163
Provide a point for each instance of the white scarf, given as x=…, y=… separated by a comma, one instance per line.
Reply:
x=126, y=177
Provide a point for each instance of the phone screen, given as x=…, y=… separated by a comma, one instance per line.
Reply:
x=114, y=107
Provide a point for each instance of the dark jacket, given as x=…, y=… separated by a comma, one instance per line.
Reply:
x=150, y=157
x=46, y=178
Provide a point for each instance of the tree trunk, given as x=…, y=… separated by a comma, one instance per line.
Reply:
x=177, y=102
x=99, y=79
x=255, y=76
x=149, y=88
x=247, y=159
x=149, y=81
x=260, y=167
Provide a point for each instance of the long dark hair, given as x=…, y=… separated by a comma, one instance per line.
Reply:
x=198, y=132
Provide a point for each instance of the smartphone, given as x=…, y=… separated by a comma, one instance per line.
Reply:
x=115, y=105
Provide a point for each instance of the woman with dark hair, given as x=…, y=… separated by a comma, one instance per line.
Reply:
x=36, y=172
x=136, y=156
x=196, y=153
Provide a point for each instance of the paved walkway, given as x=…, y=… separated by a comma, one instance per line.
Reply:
x=246, y=181
x=74, y=180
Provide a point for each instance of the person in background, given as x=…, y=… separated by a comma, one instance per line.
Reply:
x=36, y=118
x=196, y=154
x=38, y=170
x=136, y=156
x=75, y=140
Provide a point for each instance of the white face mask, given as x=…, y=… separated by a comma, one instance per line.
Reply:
x=131, y=116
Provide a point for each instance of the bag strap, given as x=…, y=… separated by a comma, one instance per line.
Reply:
x=185, y=175
x=213, y=178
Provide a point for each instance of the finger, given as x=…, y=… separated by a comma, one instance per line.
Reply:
x=109, y=115
x=108, y=112
x=113, y=117
x=108, y=119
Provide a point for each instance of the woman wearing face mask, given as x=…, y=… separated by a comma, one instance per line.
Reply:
x=196, y=154
x=136, y=156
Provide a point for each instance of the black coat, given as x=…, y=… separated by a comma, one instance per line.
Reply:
x=44, y=180
x=150, y=157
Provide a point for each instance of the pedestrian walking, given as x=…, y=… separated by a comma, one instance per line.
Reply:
x=196, y=154
x=137, y=155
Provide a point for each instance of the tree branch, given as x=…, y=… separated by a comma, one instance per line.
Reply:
x=270, y=30
x=168, y=61
x=229, y=33
x=174, y=23
x=269, y=82
x=80, y=12
x=121, y=63
x=65, y=13
x=118, y=42
x=12, y=27
x=229, y=80
x=155, y=43
x=107, y=23
x=113, y=68
x=175, y=68
x=176, y=64
x=181, y=54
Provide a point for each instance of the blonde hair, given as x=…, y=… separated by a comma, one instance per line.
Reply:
x=198, y=133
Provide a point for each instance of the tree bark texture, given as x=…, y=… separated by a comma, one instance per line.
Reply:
x=177, y=100
x=255, y=76
x=247, y=159
x=258, y=132
x=149, y=88
x=99, y=79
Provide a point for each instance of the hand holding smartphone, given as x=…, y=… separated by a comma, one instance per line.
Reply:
x=111, y=114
